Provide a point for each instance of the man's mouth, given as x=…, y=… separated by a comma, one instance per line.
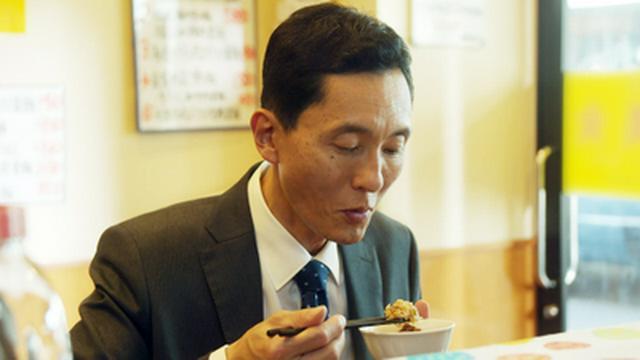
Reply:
x=357, y=215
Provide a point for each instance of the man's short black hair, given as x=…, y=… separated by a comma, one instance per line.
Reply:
x=321, y=40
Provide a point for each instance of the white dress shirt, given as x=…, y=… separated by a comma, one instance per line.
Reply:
x=282, y=256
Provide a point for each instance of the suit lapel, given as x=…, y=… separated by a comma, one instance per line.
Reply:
x=364, y=287
x=231, y=265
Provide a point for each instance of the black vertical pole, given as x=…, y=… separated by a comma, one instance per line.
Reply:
x=550, y=310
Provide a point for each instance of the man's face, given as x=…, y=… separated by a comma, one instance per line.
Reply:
x=342, y=156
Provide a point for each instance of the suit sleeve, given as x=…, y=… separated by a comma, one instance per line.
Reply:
x=114, y=318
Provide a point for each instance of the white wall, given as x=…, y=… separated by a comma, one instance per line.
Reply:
x=113, y=172
x=470, y=176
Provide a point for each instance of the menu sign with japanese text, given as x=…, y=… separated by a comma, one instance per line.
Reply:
x=32, y=147
x=195, y=63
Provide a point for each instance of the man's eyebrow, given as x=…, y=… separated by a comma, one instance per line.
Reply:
x=359, y=129
x=350, y=128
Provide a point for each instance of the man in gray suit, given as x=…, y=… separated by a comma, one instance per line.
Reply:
x=208, y=278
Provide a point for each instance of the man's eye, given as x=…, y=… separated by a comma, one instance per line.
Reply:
x=348, y=149
x=395, y=147
x=393, y=150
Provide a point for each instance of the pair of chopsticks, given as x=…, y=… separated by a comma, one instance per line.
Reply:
x=351, y=324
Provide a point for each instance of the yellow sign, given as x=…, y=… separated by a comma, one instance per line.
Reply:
x=12, y=16
x=601, y=133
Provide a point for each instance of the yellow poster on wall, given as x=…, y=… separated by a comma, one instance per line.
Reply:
x=12, y=18
x=601, y=133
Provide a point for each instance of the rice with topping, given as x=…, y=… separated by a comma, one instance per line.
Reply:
x=402, y=309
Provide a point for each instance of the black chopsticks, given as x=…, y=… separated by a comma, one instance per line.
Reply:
x=351, y=324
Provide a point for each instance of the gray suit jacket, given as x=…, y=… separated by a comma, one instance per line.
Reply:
x=180, y=282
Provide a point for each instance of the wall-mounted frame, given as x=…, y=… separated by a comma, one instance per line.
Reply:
x=195, y=63
x=458, y=24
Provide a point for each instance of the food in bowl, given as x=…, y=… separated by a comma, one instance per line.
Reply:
x=385, y=341
x=404, y=327
x=403, y=309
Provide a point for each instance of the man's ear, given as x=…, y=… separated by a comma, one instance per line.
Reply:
x=265, y=127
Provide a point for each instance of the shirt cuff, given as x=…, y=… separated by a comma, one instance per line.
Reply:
x=219, y=354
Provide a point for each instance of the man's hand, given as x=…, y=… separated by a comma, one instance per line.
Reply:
x=423, y=308
x=320, y=340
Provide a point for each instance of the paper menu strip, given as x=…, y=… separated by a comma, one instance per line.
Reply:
x=32, y=144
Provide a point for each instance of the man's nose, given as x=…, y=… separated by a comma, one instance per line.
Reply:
x=368, y=176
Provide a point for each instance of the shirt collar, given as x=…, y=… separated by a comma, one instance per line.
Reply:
x=280, y=253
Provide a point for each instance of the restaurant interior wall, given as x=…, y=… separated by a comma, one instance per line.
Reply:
x=467, y=190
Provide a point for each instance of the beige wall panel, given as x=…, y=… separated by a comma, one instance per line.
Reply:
x=488, y=290
x=73, y=284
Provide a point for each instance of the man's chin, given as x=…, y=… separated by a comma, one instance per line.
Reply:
x=348, y=238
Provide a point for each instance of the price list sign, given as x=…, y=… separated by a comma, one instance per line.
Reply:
x=32, y=147
x=195, y=63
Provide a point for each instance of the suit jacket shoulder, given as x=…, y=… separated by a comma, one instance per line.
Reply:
x=161, y=277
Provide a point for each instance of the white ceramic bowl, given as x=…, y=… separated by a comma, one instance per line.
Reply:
x=385, y=341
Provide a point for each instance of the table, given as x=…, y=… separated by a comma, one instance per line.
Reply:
x=607, y=343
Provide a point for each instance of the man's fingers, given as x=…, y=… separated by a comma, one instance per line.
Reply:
x=310, y=317
x=317, y=337
x=331, y=351
x=423, y=308
x=299, y=318
x=256, y=344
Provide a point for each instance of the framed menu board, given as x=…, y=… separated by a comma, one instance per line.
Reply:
x=195, y=64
